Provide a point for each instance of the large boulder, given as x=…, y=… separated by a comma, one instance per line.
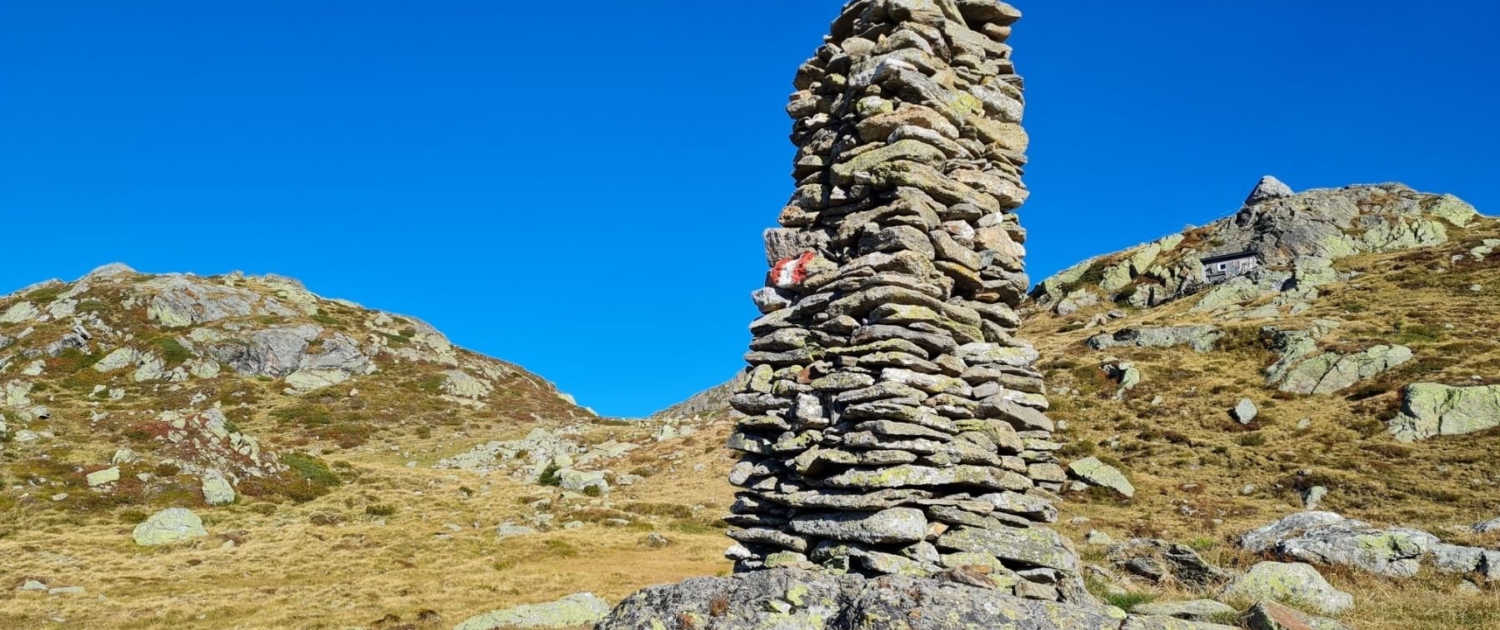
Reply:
x=574, y=610
x=1329, y=539
x=1097, y=473
x=1332, y=372
x=169, y=526
x=789, y=599
x=1300, y=583
x=1429, y=410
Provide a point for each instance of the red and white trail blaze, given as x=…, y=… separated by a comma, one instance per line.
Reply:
x=790, y=273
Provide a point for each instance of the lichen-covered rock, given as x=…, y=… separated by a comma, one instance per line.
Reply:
x=1296, y=583
x=169, y=526
x=574, y=610
x=1430, y=410
x=1332, y=372
x=1269, y=615
x=1170, y=623
x=1199, y=338
x=788, y=599
x=1194, y=610
x=1098, y=473
x=1160, y=561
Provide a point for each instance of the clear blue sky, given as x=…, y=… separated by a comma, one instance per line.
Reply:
x=579, y=187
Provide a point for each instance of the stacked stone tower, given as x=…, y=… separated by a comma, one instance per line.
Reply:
x=895, y=424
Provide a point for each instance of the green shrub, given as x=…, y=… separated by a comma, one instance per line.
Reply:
x=549, y=476
x=172, y=351
x=593, y=491
x=311, y=469
x=1128, y=601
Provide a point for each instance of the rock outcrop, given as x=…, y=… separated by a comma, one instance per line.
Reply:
x=1430, y=410
x=1199, y=338
x=789, y=599
x=894, y=423
x=1326, y=538
x=1295, y=238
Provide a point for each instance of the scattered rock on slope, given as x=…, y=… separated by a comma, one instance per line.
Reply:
x=1327, y=538
x=169, y=526
x=1199, y=338
x=1430, y=410
x=1295, y=583
x=574, y=610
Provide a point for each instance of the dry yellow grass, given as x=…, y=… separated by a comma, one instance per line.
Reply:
x=289, y=573
x=1189, y=459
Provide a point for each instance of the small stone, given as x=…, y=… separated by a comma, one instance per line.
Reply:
x=1314, y=497
x=169, y=526
x=1245, y=412
x=102, y=477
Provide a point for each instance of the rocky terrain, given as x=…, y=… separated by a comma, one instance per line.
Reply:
x=231, y=451
x=1332, y=431
x=1284, y=420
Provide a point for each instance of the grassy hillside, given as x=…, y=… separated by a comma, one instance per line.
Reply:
x=340, y=518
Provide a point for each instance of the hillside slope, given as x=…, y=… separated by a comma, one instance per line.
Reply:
x=351, y=467
x=1356, y=294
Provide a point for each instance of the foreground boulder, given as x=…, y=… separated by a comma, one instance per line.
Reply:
x=788, y=599
x=1274, y=616
x=1300, y=583
x=169, y=526
x=574, y=610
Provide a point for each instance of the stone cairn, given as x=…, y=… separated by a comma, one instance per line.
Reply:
x=895, y=424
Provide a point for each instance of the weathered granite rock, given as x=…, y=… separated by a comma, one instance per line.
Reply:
x=1295, y=583
x=571, y=611
x=1269, y=615
x=1160, y=561
x=1329, y=539
x=788, y=599
x=1170, y=623
x=1097, y=473
x=1195, y=610
x=169, y=526
x=216, y=489
x=1199, y=338
x=1268, y=189
x=1245, y=412
x=1331, y=372
x=1430, y=410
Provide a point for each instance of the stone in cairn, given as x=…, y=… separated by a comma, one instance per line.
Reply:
x=895, y=424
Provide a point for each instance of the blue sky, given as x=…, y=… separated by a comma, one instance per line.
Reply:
x=580, y=187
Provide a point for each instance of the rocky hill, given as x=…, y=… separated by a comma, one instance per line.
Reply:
x=235, y=451
x=1338, y=396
